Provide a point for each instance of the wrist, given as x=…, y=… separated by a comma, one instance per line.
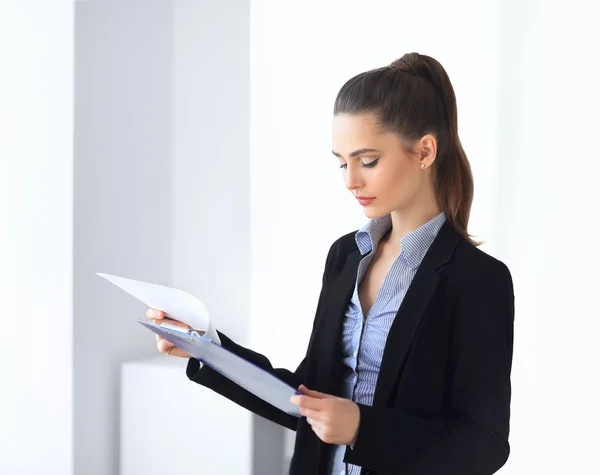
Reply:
x=357, y=426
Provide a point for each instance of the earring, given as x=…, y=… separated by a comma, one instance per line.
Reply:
x=422, y=165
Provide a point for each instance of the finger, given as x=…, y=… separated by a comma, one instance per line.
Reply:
x=316, y=426
x=174, y=351
x=314, y=394
x=168, y=348
x=306, y=402
x=163, y=345
x=309, y=392
x=311, y=414
x=155, y=313
x=170, y=322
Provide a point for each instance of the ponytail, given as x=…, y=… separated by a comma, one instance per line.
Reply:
x=454, y=178
x=414, y=96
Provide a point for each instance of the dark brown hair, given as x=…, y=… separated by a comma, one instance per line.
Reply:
x=413, y=97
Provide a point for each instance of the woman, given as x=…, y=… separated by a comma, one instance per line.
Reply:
x=408, y=366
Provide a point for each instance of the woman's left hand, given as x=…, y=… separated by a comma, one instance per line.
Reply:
x=335, y=420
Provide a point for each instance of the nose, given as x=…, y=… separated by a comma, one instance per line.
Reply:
x=353, y=179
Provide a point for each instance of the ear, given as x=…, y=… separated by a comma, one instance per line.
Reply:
x=427, y=150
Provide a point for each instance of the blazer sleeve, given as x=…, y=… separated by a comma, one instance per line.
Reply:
x=475, y=440
x=212, y=379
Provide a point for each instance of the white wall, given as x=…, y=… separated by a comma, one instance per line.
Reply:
x=123, y=55
x=211, y=246
x=526, y=86
x=299, y=205
x=36, y=229
x=297, y=195
x=210, y=227
x=550, y=167
x=527, y=95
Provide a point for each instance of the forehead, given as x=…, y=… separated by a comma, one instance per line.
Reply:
x=350, y=132
x=346, y=124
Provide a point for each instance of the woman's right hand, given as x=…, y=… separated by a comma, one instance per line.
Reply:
x=163, y=345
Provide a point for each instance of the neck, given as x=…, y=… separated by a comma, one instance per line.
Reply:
x=407, y=220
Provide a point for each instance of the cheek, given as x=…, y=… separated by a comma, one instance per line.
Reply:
x=398, y=181
x=398, y=187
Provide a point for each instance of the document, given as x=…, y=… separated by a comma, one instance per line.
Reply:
x=184, y=307
x=175, y=303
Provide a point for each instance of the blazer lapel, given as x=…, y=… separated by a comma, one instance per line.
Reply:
x=340, y=293
x=409, y=314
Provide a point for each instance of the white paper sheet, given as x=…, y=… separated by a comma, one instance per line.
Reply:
x=177, y=304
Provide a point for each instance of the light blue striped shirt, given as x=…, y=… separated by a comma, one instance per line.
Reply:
x=363, y=339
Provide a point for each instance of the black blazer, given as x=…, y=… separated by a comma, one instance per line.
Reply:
x=442, y=399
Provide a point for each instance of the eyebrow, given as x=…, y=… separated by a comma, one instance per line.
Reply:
x=357, y=152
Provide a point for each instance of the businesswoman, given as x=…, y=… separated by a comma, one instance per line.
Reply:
x=407, y=370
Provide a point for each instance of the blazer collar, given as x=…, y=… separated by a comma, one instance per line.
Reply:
x=404, y=327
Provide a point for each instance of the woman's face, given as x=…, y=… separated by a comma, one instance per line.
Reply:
x=376, y=166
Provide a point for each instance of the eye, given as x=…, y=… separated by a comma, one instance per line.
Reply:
x=364, y=165
x=370, y=164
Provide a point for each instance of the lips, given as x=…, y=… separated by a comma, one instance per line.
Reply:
x=365, y=200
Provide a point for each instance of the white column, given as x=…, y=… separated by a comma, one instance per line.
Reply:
x=209, y=249
x=122, y=145
x=210, y=227
x=36, y=243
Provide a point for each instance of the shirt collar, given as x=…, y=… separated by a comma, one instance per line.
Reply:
x=414, y=245
x=371, y=233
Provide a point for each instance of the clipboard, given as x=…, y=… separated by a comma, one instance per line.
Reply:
x=184, y=307
x=242, y=372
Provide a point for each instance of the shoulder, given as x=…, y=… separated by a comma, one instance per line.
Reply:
x=342, y=246
x=339, y=250
x=472, y=266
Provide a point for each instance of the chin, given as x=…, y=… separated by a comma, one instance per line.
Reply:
x=374, y=212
